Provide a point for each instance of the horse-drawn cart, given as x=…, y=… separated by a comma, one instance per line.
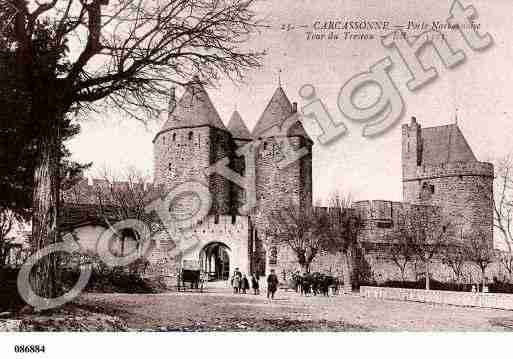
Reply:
x=190, y=276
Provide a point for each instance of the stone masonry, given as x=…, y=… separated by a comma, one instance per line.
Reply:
x=439, y=171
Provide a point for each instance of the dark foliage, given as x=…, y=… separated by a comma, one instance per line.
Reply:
x=105, y=279
x=116, y=280
x=10, y=300
x=19, y=134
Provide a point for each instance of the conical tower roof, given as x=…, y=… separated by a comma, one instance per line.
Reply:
x=194, y=109
x=277, y=111
x=238, y=128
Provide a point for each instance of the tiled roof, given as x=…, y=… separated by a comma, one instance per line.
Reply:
x=238, y=128
x=277, y=111
x=194, y=109
x=443, y=144
x=76, y=215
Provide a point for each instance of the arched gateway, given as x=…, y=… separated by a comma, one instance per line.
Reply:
x=215, y=261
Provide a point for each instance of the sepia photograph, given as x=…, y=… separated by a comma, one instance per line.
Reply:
x=237, y=169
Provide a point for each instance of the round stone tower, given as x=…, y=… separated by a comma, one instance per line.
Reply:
x=440, y=169
x=278, y=186
x=192, y=139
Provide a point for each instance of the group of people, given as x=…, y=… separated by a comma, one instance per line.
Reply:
x=313, y=283
x=240, y=283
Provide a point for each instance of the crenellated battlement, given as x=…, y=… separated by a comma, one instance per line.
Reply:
x=382, y=210
x=377, y=209
x=87, y=191
x=452, y=169
x=224, y=223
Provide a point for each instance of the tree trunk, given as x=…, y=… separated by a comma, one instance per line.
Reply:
x=483, y=279
x=46, y=212
x=427, y=277
x=305, y=267
x=348, y=268
x=3, y=253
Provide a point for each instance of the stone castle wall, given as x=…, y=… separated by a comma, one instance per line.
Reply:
x=278, y=187
x=219, y=186
x=183, y=154
x=178, y=159
x=166, y=253
x=233, y=231
x=238, y=164
x=462, y=188
x=466, y=200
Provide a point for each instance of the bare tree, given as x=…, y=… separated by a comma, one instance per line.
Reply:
x=454, y=255
x=506, y=261
x=298, y=229
x=503, y=200
x=480, y=252
x=8, y=220
x=339, y=226
x=127, y=54
x=400, y=251
x=426, y=232
x=113, y=199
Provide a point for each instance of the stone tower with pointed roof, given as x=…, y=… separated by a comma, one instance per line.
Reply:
x=280, y=186
x=440, y=169
x=192, y=139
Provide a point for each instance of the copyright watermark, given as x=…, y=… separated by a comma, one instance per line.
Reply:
x=189, y=203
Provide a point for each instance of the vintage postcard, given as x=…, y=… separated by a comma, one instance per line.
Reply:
x=254, y=166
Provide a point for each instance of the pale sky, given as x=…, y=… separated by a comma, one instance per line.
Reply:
x=480, y=89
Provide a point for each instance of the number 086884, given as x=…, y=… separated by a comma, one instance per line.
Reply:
x=29, y=348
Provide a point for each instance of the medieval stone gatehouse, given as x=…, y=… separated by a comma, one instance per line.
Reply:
x=439, y=169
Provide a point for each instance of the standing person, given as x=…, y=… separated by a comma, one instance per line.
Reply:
x=254, y=284
x=245, y=284
x=240, y=282
x=272, y=284
x=236, y=283
x=306, y=284
x=299, y=282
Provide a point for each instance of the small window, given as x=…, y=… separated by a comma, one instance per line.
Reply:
x=265, y=145
x=432, y=188
x=190, y=135
x=387, y=224
x=174, y=136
